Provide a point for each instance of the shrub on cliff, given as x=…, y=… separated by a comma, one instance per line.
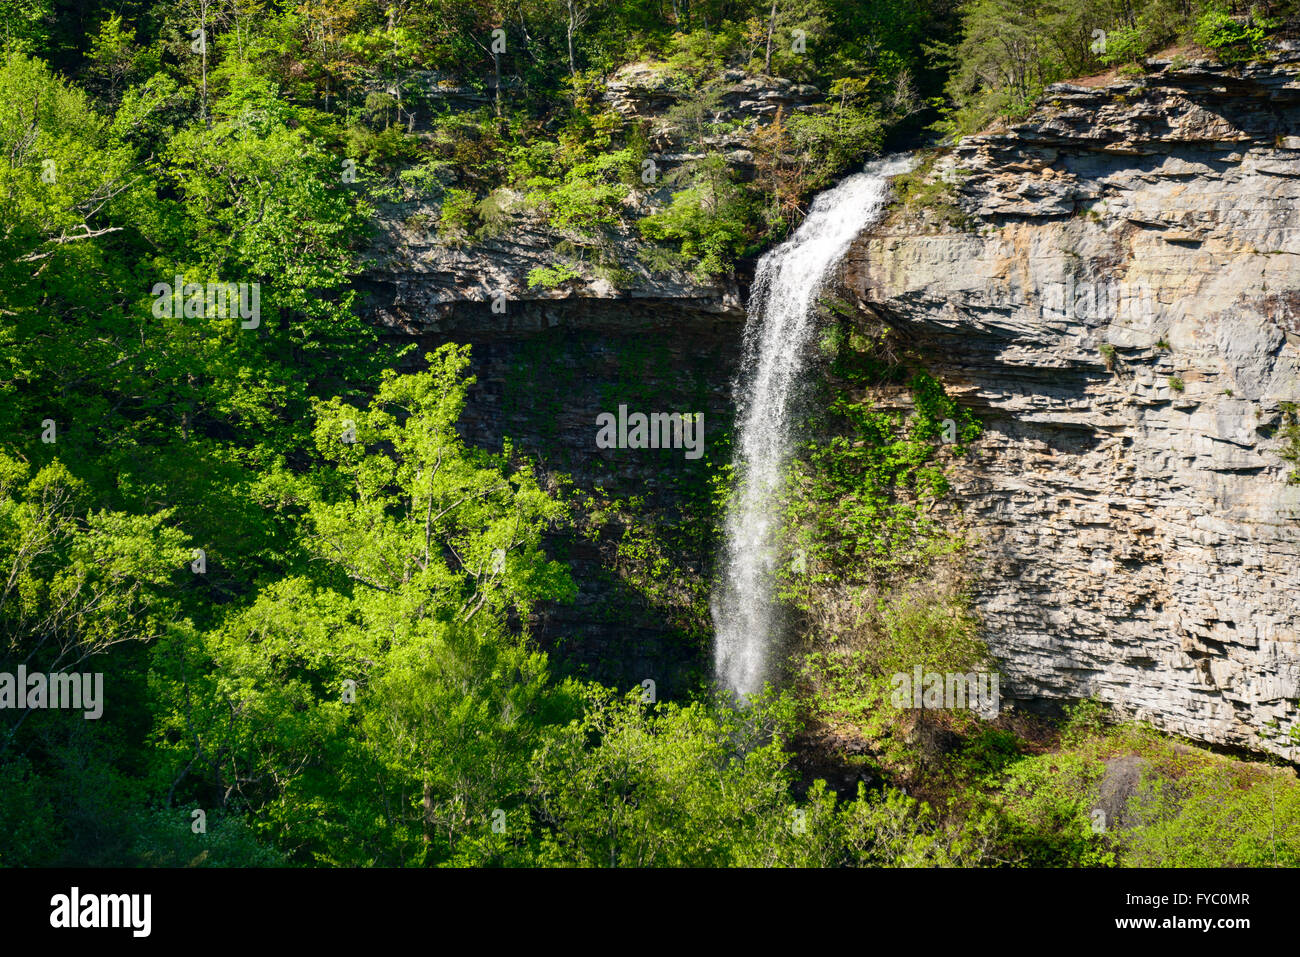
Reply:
x=1011, y=51
x=712, y=219
x=1234, y=38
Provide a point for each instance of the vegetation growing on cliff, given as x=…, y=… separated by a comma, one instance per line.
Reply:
x=311, y=600
x=876, y=581
x=933, y=196
x=1289, y=432
x=874, y=574
x=1009, y=51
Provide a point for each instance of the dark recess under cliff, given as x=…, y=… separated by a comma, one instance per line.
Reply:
x=544, y=371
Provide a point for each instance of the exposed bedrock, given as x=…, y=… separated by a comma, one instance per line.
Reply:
x=1113, y=284
x=1121, y=305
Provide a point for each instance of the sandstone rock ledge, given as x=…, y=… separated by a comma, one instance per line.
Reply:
x=1121, y=305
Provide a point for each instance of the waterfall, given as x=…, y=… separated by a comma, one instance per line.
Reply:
x=781, y=323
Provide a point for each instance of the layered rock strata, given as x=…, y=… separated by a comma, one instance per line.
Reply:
x=1113, y=284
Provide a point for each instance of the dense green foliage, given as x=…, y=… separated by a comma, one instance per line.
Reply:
x=1186, y=808
x=1010, y=50
x=310, y=599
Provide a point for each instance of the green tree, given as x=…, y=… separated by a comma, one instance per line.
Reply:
x=426, y=549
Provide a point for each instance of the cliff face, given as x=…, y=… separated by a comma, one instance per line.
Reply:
x=629, y=329
x=1113, y=285
x=625, y=331
x=416, y=280
x=642, y=548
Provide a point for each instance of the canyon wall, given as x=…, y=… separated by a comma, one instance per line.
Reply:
x=1113, y=285
x=645, y=537
x=547, y=363
x=632, y=326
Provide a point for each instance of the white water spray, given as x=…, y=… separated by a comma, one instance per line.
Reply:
x=782, y=320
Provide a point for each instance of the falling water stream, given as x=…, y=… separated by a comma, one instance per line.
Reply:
x=778, y=334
